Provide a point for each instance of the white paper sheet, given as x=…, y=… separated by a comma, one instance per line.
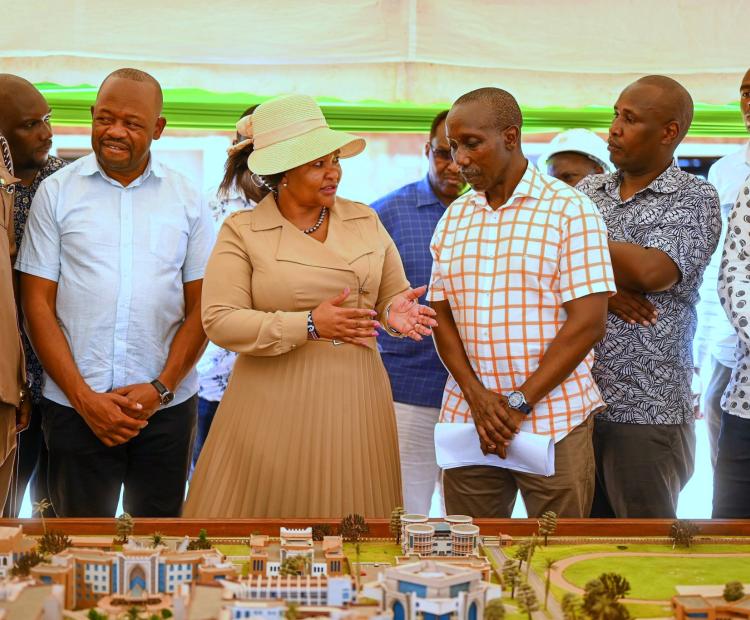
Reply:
x=457, y=445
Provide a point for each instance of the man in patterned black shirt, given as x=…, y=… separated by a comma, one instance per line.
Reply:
x=25, y=122
x=663, y=227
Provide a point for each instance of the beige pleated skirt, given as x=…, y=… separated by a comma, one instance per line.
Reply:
x=307, y=434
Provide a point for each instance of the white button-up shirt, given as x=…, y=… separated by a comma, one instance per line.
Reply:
x=120, y=256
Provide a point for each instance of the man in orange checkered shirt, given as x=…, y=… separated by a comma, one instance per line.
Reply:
x=521, y=277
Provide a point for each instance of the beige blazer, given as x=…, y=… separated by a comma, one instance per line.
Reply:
x=12, y=370
x=265, y=275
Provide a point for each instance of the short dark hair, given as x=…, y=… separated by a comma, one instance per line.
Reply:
x=504, y=105
x=136, y=75
x=436, y=123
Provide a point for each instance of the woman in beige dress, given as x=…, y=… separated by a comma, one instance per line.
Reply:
x=297, y=287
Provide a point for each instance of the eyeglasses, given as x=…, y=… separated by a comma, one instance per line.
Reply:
x=439, y=153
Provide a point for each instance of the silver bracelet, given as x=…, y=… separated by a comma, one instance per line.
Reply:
x=393, y=332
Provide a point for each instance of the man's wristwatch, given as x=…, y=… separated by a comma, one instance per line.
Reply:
x=166, y=395
x=517, y=401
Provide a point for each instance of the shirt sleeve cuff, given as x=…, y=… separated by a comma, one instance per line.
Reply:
x=293, y=330
x=41, y=272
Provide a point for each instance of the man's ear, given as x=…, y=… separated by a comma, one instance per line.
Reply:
x=161, y=123
x=671, y=132
x=512, y=136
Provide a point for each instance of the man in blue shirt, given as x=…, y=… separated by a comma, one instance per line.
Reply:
x=112, y=266
x=417, y=375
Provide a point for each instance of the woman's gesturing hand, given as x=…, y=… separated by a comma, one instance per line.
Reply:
x=410, y=318
x=352, y=325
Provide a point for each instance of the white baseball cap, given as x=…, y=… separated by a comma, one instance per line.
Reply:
x=580, y=141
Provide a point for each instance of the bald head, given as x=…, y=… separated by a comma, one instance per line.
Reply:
x=24, y=121
x=503, y=107
x=136, y=75
x=672, y=102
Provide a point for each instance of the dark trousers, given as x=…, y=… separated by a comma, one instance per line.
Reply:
x=715, y=389
x=85, y=476
x=32, y=465
x=732, y=472
x=641, y=468
x=206, y=413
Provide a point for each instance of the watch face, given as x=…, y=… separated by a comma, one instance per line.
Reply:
x=167, y=398
x=516, y=399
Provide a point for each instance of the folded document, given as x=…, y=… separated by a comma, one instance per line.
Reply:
x=457, y=445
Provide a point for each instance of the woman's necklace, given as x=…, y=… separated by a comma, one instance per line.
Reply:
x=319, y=223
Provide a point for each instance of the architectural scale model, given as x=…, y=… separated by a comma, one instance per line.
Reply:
x=430, y=570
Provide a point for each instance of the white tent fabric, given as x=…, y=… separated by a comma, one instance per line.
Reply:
x=547, y=52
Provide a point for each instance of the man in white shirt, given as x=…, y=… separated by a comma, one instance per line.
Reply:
x=112, y=267
x=715, y=339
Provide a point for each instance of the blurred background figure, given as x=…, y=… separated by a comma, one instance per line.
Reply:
x=575, y=154
x=716, y=339
x=417, y=375
x=235, y=192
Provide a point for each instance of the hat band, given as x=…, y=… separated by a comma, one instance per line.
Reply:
x=267, y=138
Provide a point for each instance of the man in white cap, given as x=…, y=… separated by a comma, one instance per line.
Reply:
x=575, y=154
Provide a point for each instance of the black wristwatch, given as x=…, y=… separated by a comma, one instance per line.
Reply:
x=166, y=395
x=517, y=401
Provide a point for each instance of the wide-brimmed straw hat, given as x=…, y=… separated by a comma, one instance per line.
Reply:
x=290, y=131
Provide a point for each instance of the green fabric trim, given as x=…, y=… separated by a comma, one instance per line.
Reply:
x=190, y=108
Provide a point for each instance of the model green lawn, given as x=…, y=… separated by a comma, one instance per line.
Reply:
x=373, y=552
x=655, y=578
x=648, y=579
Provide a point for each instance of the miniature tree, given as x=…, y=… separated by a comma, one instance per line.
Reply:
x=40, y=508
x=353, y=529
x=157, y=539
x=548, y=564
x=494, y=610
x=320, y=531
x=53, y=542
x=25, y=563
x=571, y=606
x=95, y=615
x=395, y=524
x=165, y=614
x=733, y=591
x=526, y=599
x=511, y=576
x=292, y=611
x=202, y=542
x=601, y=597
x=682, y=533
x=294, y=565
x=125, y=526
x=547, y=525
x=525, y=552
x=132, y=613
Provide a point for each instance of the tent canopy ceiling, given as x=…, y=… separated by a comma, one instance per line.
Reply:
x=410, y=54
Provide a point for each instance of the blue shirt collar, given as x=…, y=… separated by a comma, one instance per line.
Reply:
x=425, y=194
x=91, y=166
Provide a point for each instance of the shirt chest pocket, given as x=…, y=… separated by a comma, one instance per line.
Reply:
x=167, y=241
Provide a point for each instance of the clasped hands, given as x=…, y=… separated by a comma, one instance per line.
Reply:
x=496, y=422
x=117, y=416
x=356, y=325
